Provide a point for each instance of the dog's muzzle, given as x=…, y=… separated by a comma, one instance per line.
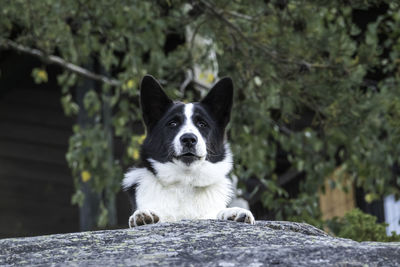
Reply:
x=188, y=153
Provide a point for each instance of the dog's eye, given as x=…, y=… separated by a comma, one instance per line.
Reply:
x=202, y=124
x=172, y=123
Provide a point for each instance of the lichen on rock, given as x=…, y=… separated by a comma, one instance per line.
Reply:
x=202, y=243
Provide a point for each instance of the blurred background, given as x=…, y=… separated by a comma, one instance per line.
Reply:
x=316, y=119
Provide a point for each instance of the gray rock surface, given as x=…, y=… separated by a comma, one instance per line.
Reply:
x=199, y=243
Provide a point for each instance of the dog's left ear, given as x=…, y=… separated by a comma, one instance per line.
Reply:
x=219, y=100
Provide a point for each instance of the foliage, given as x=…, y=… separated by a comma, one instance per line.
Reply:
x=304, y=76
x=39, y=75
x=360, y=226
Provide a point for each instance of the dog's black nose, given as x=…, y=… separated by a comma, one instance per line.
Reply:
x=188, y=140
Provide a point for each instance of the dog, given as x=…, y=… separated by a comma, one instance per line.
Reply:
x=185, y=158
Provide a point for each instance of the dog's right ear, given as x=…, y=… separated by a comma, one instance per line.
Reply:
x=153, y=100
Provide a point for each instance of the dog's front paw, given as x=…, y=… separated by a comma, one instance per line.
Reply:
x=237, y=215
x=142, y=217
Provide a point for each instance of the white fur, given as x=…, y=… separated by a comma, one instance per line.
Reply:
x=189, y=127
x=179, y=191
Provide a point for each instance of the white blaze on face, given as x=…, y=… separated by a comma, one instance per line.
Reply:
x=189, y=127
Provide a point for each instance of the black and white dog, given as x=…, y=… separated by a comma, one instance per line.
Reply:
x=186, y=159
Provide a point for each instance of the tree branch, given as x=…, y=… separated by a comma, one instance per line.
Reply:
x=271, y=53
x=51, y=59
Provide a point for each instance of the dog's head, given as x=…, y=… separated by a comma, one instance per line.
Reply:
x=185, y=133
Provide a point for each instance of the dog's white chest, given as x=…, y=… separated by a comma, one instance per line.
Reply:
x=177, y=202
x=176, y=199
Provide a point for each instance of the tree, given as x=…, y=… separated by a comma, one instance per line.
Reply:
x=310, y=81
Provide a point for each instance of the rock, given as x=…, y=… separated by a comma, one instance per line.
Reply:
x=201, y=243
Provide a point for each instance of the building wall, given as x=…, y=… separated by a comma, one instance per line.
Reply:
x=336, y=202
x=392, y=214
x=35, y=181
